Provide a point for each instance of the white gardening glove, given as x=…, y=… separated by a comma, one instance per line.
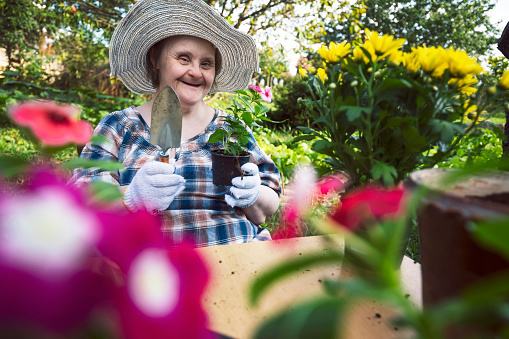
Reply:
x=245, y=190
x=154, y=187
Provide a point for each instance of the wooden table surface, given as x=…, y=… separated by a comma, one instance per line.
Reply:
x=234, y=267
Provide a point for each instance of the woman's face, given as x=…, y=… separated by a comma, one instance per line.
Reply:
x=187, y=64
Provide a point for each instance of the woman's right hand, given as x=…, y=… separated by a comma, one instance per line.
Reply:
x=154, y=187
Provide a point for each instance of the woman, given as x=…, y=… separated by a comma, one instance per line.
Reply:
x=186, y=45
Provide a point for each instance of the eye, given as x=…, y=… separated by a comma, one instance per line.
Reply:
x=207, y=64
x=184, y=58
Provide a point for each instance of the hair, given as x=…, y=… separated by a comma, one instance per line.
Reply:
x=154, y=53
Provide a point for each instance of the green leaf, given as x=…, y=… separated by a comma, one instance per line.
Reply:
x=317, y=318
x=493, y=234
x=105, y=191
x=12, y=165
x=86, y=163
x=354, y=112
x=387, y=173
x=323, y=147
x=100, y=139
x=248, y=118
x=217, y=136
x=290, y=267
x=446, y=129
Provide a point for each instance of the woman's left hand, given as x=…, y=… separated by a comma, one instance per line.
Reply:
x=245, y=190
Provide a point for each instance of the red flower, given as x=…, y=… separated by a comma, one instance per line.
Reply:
x=52, y=124
x=369, y=204
x=331, y=183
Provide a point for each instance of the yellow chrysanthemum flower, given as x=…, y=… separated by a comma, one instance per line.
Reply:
x=465, y=84
x=335, y=51
x=432, y=60
x=358, y=54
x=411, y=62
x=460, y=64
x=305, y=72
x=504, y=80
x=384, y=45
x=321, y=74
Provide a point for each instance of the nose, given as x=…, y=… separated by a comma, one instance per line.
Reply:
x=194, y=70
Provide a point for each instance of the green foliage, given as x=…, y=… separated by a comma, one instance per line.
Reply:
x=244, y=115
x=462, y=24
x=93, y=105
x=288, y=105
x=482, y=146
x=287, y=154
x=272, y=64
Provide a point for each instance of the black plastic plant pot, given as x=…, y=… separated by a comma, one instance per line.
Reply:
x=225, y=167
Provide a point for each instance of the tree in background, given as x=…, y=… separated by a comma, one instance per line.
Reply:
x=273, y=66
x=462, y=24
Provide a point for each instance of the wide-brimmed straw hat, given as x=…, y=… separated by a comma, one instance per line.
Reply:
x=150, y=21
x=503, y=42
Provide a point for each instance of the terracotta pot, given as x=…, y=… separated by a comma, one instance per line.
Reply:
x=451, y=259
x=225, y=167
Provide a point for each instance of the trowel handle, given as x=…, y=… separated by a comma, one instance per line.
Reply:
x=166, y=157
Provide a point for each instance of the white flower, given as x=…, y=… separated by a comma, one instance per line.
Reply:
x=153, y=283
x=46, y=231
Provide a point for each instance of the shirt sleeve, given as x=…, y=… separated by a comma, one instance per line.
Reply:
x=269, y=172
x=106, y=149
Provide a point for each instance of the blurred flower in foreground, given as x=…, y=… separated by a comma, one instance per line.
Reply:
x=46, y=237
x=370, y=204
x=62, y=260
x=304, y=189
x=163, y=295
x=52, y=124
x=266, y=94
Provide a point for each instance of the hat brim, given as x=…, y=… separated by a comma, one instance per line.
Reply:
x=150, y=21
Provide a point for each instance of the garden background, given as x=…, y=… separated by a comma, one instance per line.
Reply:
x=59, y=50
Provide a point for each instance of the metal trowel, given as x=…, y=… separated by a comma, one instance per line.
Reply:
x=166, y=123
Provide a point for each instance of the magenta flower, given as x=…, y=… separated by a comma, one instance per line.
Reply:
x=48, y=235
x=52, y=124
x=265, y=94
x=163, y=295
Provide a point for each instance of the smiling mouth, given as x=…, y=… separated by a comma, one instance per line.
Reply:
x=192, y=85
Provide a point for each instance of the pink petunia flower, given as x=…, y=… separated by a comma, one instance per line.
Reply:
x=266, y=94
x=163, y=295
x=370, y=204
x=52, y=124
x=48, y=234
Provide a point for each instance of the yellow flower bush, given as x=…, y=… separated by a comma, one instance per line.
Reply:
x=382, y=111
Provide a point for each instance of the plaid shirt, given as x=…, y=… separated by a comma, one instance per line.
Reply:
x=199, y=213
